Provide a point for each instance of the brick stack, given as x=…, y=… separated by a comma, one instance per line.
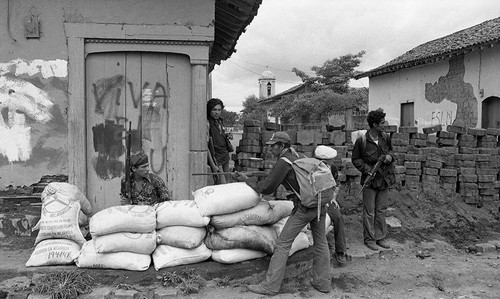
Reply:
x=248, y=155
x=487, y=166
x=413, y=165
x=352, y=177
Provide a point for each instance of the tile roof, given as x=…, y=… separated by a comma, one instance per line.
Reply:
x=282, y=94
x=458, y=43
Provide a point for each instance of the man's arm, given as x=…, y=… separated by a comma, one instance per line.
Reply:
x=275, y=178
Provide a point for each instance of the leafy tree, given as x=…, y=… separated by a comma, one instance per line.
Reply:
x=230, y=118
x=252, y=110
x=334, y=73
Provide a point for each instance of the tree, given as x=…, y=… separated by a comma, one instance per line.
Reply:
x=230, y=118
x=334, y=73
x=253, y=110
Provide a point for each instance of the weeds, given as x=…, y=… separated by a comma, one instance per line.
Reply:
x=64, y=285
x=222, y=282
x=187, y=282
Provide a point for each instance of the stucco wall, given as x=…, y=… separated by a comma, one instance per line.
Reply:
x=446, y=92
x=34, y=96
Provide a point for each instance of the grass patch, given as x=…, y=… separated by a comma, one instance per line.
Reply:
x=188, y=282
x=64, y=284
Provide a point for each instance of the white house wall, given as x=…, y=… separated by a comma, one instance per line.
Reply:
x=446, y=92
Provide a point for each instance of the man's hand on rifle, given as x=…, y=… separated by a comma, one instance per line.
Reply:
x=387, y=159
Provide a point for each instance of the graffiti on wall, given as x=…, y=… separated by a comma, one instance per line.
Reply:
x=109, y=137
x=453, y=88
x=24, y=102
x=437, y=117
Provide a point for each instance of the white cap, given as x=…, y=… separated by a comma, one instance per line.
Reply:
x=325, y=152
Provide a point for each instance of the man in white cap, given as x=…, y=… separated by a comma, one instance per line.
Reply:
x=337, y=235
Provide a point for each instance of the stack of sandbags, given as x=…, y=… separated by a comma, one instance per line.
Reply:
x=181, y=230
x=242, y=233
x=123, y=237
x=64, y=211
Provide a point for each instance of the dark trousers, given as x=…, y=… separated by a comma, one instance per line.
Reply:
x=337, y=235
x=374, y=209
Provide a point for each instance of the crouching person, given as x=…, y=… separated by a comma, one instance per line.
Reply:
x=336, y=237
x=145, y=188
x=283, y=173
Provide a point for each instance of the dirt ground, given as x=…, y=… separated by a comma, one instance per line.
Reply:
x=433, y=255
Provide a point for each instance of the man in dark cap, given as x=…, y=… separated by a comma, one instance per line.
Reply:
x=283, y=173
x=145, y=188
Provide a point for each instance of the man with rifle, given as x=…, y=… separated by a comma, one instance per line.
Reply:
x=375, y=146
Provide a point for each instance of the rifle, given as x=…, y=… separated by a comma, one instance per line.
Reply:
x=128, y=144
x=250, y=173
x=371, y=175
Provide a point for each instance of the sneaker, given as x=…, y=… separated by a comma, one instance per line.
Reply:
x=258, y=289
x=340, y=257
x=322, y=290
x=384, y=244
x=372, y=246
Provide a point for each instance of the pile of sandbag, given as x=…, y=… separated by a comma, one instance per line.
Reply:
x=182, y=230
x=241, y=224
x=65, y=212
x=123, y=237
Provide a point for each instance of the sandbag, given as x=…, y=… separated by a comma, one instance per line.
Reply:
x=182, y=236
x=299, y=243
x=59, y=220
x=264, y=213
x=236, y=255
x=89, y=258
x=179, y=212
x=142, y=243
x=54, y=252
x=83, y=220
x=129, y=218
x=168, y=256
x=66, y=191
x=260, y=238
x=278, y=226
x=225, y=198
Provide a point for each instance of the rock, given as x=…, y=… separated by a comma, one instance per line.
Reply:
x=393, y=222
x=486, y=247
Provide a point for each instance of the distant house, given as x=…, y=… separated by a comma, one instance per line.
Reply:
x=268, y=102
x=453, y=80
x=74, y=75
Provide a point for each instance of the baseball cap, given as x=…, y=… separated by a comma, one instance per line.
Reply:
x=324, y=152
x=279, y=137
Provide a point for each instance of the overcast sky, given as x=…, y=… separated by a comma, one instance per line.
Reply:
x=305, y=33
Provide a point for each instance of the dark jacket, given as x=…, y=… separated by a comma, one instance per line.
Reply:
x=217, y=144
x=364, y=158
x=281, y=173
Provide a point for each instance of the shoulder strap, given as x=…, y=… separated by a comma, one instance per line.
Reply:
x=290, y=162
x=363, y=141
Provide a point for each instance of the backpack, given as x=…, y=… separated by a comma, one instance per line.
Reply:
x=315, y=180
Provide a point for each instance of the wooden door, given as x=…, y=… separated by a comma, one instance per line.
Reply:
x=407, y=116
x=491, y=113
x=123, y=87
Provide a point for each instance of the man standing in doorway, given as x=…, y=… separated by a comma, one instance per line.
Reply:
x=375, y=145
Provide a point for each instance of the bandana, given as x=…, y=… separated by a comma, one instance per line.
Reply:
x=138, y=160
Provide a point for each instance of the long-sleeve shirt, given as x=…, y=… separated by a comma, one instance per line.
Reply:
x=153, y=191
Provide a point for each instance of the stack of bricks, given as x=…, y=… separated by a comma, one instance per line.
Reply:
x=413, y=166
x=248, y=155
x=487, y=166
x=352, y=177
x=400, y=141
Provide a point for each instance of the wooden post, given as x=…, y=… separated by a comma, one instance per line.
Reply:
x=349, y=124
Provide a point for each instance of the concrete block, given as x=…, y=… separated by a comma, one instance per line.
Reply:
x=433, y=129
x=337, y=138
x=486, y=247
x=476, y=131
x=405, y=129
x=162, y=293
x=305, y=137
x=124, y=294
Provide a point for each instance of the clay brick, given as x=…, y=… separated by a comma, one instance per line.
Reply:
x=404, y=136
x=399, y=149
x=466, y=170
x=466, y=137
x=337, y=138
x=391, y=129
x=448, y=135
x=476, y=131
x=489, y=198
x=486, y=178
x=493, y=131
x=488, y=191
x=456, y=129
x=448, y=151
x=418, y=142
x=433, y=129
x=318, y=137
x=459, y=163
x=252, y=130
x=421, y=136
x=469, y=150
x=399, y=142
x=252, y=123
x=487, y=144
x=448, y=179
x=431, y=143
x=415, y=158
x=249, y=142
x=255, y=136
x=414, y=171
x=433, y=164
x=399, y=169
x=464, y=157
x=430, y=171
x=486, y=185
x=435, y=157
x=250, y=149
x=412, y=178
x=487, y=138
x=452, y=187
x=446, y=141
x=486, y=171
x=470, y=199
x=430, y=178
x=447, y=172
x=305, y=137
x=486, y=164
x=482, y=157
x=413, y=165
x=486, y=247
x=270, y=126
x=405, y=129
x=488, y=151
x=468, y=178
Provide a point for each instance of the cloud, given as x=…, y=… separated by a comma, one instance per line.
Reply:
x=295, y=33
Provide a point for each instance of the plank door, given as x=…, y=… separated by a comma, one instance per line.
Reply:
x=407, y=116
x=123, y=87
